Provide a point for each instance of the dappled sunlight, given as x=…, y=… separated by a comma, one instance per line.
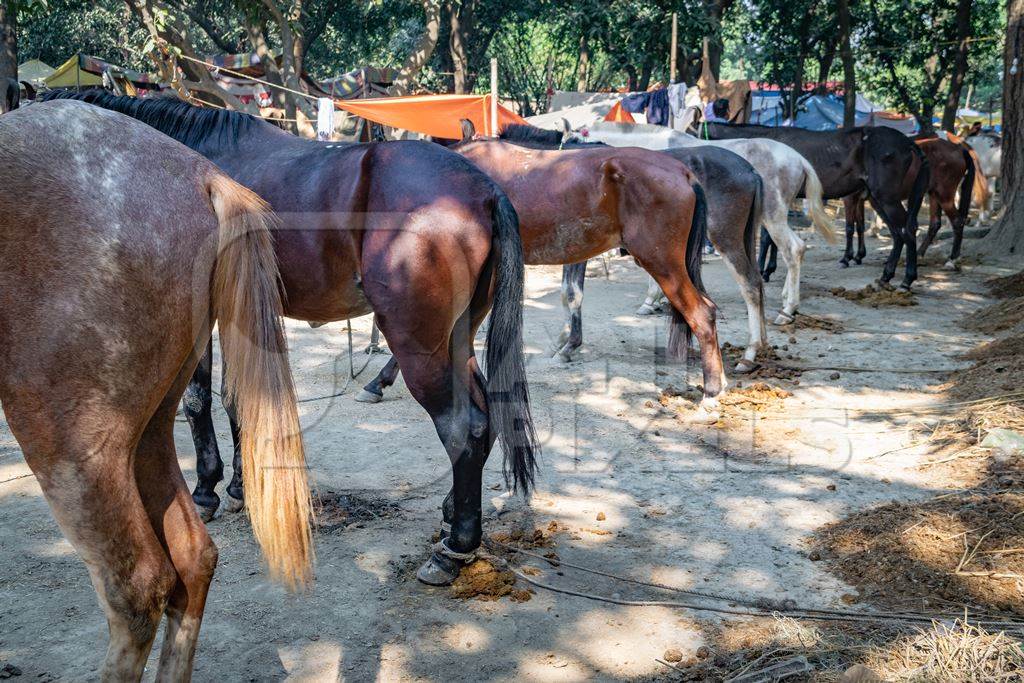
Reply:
x=318, y=661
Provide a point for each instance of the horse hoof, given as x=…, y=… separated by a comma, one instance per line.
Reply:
x=784, y=319
x=708, y=412
x=844, y=263
x=233, y=504
x=903, y=288
x=365, y=396
x=883, y=284
x=858, y=261
x=950, y=265
x=206, y=513
x=438, y=571
x=645, y=309
x=744, y=367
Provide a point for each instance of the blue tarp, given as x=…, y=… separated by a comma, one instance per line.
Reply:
x=817, y=112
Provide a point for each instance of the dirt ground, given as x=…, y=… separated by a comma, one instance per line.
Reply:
x=629, y=485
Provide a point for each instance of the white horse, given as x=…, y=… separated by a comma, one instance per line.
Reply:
x=784, y=171
x=989, y=150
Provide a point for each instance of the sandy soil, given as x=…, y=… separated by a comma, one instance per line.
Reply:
x=636, y=489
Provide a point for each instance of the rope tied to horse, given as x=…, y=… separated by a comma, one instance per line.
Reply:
x=751, y=606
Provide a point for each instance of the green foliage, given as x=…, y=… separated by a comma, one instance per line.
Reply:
x=61, y=28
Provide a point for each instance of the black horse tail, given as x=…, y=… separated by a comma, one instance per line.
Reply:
x=679, y=331
x=750, y=235
x=508, y=394
x=919, y=190
x=966, y=185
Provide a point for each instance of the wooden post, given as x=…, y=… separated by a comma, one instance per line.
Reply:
x=675, y=47
x=494, y=97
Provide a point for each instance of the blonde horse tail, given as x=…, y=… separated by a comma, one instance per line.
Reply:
x=813, y=192
x=247, y=304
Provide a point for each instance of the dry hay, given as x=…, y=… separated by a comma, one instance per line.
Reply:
x=944, y=553
x=959, y=652
x=998, y=369
x=1007, y=287
x=873, y=296
x=1002, y=315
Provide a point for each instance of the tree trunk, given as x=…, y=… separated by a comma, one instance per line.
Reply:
x=849, y=75
x=825, y=66
x=423, y=50
x=9, y=39
x=956, y=81
x=1007, y=235
x=645, y=77
x=631, y=78
x=583, y=69
x=715, y=10
x=461, y=25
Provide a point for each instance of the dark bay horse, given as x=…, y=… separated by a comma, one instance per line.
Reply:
x=407, y=230
x=875, y=161
x=577, y=203
x=114, y=264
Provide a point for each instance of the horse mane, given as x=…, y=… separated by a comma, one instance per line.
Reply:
x=523, y=132
x=195, y=127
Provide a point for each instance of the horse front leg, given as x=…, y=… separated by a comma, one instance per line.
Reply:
x=849, y=209
x=197, y=403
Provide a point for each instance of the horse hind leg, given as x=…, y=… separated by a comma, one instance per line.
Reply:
x=373, y=392
x=653, y=299
x=862, y=250
x=181, y=531
x=747, y=277
x=571, y=338
x=934, y=224
x=90, y=487
x=196, y=404
x=792, y=248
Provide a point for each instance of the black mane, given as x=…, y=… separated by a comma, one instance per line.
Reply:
x=539, y=138
x=197, y=127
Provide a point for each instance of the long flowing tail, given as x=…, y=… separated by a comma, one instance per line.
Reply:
x=679, y=331
x=967, y=185
x=813, y=193
x=508, y=395
x=755, y=219
x=981, y=195
x=247, y=303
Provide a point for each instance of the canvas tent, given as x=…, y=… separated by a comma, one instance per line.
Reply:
x=85, y=71
x=825, y=112
x=579, y=109
x=35, y=72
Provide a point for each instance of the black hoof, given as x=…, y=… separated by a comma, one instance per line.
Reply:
x=206, y=513
x=859, y=260
x=233, y=504
x=843, y=263
x=438, y=571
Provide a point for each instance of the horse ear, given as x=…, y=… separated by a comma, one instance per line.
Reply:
x=566, y=130
x=468, y=130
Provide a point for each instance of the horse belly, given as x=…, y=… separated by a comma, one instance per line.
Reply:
x=569, y=242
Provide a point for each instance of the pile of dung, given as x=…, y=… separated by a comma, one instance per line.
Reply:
x=759, y=397
x=813, y=322
x=484, y=581
x=540, y=537
x=768, y=363
x=1007, y=287
x=874, y=296
x=940, y=554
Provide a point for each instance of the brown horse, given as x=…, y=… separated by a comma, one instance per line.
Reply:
x=952, y=167
x=103, y=316
x=579, y=202
x=410, y=231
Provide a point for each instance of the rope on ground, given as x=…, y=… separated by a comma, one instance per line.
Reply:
x=20, y=476
x=759, y=607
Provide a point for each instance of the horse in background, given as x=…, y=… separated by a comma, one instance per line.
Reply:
x=107, y=300
x=952, y=168
x=875, y=162
x=786, y=176
x=575, y=204
x=409, y=231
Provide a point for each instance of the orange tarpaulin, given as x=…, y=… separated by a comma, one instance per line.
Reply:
x=619, y=115
x=436, y=115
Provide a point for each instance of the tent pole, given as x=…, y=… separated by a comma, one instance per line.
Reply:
x=494, y=96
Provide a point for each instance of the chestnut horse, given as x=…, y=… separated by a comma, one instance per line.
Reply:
x=114, y=265
x=579, y=202
x=411, y=232
x=952, y=168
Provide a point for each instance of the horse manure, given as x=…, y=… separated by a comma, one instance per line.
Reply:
x=874, y=296
x=482, y=580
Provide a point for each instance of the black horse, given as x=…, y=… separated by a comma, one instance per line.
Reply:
x=12, y=95
x=876, y=161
